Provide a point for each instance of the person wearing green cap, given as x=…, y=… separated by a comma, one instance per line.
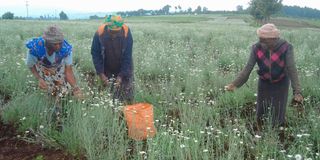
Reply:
x=50, y=61
x=111, y=52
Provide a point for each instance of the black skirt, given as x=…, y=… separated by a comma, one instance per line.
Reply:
x=272, y=100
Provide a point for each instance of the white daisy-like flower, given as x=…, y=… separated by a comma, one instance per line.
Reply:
x=298, y=157
x=257, y=136
x=283, y=151
x=182, y=146
x=306, y=134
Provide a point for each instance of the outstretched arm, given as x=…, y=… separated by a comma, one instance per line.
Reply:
x=41, y=83
x=243, y=76
x=98, y=59
x=72, y=81
x=293, y=75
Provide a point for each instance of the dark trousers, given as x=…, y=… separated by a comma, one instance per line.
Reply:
x=272, y=98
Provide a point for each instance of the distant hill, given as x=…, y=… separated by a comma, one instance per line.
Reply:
x=296, y=11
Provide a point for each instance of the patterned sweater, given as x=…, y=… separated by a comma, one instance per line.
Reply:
x=290, y=68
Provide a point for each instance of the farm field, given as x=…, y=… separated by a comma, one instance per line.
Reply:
x=182, y=64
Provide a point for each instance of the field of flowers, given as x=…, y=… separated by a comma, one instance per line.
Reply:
x=182, y=64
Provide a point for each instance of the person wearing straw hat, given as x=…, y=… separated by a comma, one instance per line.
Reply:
x=111, y=52
x=277, y=68
x=50, y=61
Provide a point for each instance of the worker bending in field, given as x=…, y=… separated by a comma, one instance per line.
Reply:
x=277, y=68
x=112, y=57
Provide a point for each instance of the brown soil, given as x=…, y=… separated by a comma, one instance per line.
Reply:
x=12, y=148
x=292, y=23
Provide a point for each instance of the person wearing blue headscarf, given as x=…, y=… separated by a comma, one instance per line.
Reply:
x=50, y=61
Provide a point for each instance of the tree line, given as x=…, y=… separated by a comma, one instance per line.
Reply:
x=261, y=10
x=10, y=15
x=166, y=11
x=295, y=11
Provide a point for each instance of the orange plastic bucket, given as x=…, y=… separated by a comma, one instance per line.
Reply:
x=139, y=118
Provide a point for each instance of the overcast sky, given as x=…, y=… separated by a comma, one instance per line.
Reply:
x=53, y=7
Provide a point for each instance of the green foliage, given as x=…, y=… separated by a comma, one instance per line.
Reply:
x=198, y=10
x=262, y=9
x=296, y=11
x=165, y=9
x=8, y=15
x=63, y=16
x=95, y=17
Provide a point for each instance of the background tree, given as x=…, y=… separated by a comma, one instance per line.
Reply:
x=63, y=16
x=296, y=11
x=94, y=17
x=141, y=12
x=189, y=10
x=166, y=9
x=255, y=10
x=205, y=10
x=263, y=9
x=198, y=10
x=180, y=9
x=8, y=15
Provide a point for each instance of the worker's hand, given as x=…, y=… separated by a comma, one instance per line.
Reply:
x=42, y=84
x=104, y=80
x=118, y=81
x=298, y=98
x=77, y=93
x=230, y=87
